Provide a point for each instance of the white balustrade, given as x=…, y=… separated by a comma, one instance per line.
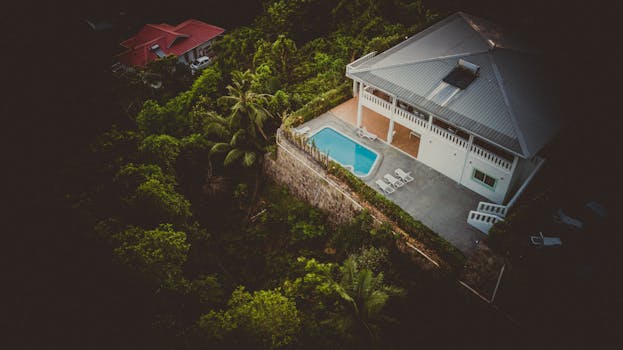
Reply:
x=492, y=208
x=491, y=157
x=487, y=214
x=381, y=106
x=376, y=103
x=455, y=139
x=419, y=122
x=482, y=221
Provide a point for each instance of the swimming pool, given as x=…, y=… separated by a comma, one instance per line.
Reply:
x=349, y=153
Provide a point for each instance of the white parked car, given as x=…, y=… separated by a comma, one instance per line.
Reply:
x=200, y=63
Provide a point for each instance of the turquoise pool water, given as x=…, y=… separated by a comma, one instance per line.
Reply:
x=344, y=150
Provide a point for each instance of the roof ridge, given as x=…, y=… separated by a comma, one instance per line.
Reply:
x=196, y=21
x=426, y=60
x=156, y=26
x=464, y=15
x=417, y=36
x=500, y=82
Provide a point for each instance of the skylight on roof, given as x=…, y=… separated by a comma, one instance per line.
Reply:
x=462, y=75
x=157, y=50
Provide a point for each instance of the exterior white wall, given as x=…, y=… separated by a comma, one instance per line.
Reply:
x=448, y=153
x=441, y=156
x=503, y=179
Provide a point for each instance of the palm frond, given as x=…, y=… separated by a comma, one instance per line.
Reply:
x=217, y=129
x=249, y=159
x=220, y=147
x=232, y=156
x=215, y=117
x=238, y=138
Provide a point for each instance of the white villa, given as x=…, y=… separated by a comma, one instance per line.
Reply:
x=472, y=99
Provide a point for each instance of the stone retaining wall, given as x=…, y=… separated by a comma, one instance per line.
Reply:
x=308, y=181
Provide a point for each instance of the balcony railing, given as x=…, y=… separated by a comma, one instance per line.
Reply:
x=448, y=136
x=412, y=118
x=375, y=101
x=490, y=157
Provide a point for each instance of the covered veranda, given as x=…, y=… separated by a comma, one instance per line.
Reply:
x=403, y=138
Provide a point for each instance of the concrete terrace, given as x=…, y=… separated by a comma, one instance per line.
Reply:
x=432, y=198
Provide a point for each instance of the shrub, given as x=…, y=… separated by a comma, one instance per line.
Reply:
x=319, y=105
x=414, y=228
x=508, y=236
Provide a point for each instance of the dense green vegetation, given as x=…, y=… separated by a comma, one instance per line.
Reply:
x=128, y=229
x=225, y=259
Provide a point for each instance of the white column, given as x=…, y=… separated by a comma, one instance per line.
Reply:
x=359, y=116
x=390, y=131
x=354, y=88
x=469, y=149
x=393, y=110
x=514, y=166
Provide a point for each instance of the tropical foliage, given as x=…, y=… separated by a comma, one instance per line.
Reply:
x=221, y=257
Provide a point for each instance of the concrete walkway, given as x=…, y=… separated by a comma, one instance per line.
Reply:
x=432, y=198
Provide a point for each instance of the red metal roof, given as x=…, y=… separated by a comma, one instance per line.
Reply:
x=172, y=40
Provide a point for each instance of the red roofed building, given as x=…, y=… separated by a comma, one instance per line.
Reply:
x=188, y=40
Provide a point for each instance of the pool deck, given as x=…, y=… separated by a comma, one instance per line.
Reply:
x=432, y=198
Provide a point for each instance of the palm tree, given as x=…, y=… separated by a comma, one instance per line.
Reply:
x=237, y=144
x=247, y=111
x=365, y=296
x=240, y=129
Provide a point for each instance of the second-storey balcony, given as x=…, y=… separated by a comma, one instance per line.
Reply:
x=410, y=125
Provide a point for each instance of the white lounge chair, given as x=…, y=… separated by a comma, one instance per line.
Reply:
x=393, y=181
x=301, y=131
x=385, y=187
x=362, y=132
x=402, y=175
x=545, y=241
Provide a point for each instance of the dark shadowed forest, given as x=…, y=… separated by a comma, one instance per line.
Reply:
x=133, y=213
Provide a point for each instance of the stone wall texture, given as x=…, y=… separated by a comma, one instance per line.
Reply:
x=307, y=180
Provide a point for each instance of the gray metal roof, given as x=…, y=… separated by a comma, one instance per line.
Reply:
x=506, y=104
